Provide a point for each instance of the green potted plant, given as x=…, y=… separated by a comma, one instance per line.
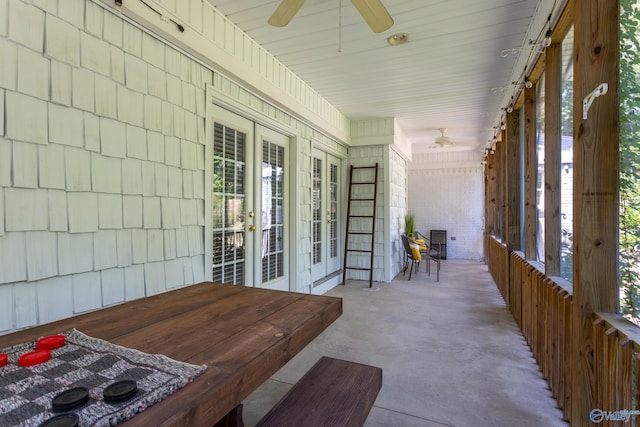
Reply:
x=409, y=224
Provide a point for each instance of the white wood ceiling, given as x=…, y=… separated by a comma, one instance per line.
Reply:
x=445, y=77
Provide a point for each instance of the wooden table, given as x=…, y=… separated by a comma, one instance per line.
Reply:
x=244, y=335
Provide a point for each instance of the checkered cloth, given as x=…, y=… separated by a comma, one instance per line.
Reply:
x=26, y=392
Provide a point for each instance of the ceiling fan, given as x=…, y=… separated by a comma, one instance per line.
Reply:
x=373, y=12
x=443, y=140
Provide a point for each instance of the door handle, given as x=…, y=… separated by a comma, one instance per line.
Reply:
x=252, y=228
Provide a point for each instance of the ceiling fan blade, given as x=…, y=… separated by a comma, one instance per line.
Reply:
x=375, y=14
x=285, y=12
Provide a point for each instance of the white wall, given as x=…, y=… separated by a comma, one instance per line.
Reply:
x=446, y=193
x=102, y=155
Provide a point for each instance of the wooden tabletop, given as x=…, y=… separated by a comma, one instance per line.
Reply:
x=244, y=335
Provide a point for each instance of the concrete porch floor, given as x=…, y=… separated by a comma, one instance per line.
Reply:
x=450, y=351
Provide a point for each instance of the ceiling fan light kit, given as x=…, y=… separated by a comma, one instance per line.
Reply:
x=372, y=11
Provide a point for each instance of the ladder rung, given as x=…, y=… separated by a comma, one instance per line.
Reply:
x=367, y=233
x=363, y=167
x=360, y=216
x=364, y=251
x=362, y=200
x=363, y=183
x=358, y=268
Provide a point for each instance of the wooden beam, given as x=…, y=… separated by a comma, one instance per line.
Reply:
x=491, y=198
x=595, y=191
x=530, y=173
x=513, y=168
x=552, y=160
x=501, y=176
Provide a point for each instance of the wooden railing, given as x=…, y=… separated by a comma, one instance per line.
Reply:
x=542, y=307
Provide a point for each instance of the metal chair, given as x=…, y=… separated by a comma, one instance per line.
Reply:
x=430, y=251
x=409, y=257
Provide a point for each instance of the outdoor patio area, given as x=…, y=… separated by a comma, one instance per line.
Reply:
x=451, y=353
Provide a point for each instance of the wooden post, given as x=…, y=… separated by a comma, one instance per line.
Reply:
x=595, y=192
x=512, y=168
x=552, y=160
x=530, y=173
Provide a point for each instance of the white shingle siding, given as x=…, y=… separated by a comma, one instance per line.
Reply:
x=87, y=294
x=102, y=156
x=31, y=29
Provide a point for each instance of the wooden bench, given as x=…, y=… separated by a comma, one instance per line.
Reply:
x=333, y=393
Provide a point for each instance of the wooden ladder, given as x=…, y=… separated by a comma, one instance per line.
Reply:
x=365, y=201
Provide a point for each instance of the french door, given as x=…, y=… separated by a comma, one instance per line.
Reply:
x=249, y=203
x=325, y=226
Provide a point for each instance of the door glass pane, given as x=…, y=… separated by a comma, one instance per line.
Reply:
x=316, y=222
x=540, y=175
x=333, y=210
x=228, y=201
x=566, y=158
x=272, y=211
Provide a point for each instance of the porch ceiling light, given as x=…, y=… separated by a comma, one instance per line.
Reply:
x=398, y=39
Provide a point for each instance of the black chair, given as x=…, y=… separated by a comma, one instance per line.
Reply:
x=431, y=251
x=409, y=258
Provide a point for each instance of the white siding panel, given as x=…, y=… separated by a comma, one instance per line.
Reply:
x=25, y=165
x=130, y=106
x=109, y=211
x=113, y=138
x=91, y=132
x=112, y=286
x=83, y=89
x=60, y=83
x=5, y=162
x=105, y=96
x=170, y=244
x=66, y=125
x=87, y=293
x=26, y=118
x=6, y=307
x=106, y=174
x=155, y=245
x=30, y=32
x=174, y=273
x=55, y=299
x=124, y=248
x=152, y=212
x=77, y=169
x=134, y=282
x=182, y=242
x=105, y=250
x=117, y=65
x=132, y=211
x=136, y=72
x=51, y=166
x=33, y=73
x=154, y=278
x=132, y=176
x=13, y=258
x=95, y=54
x=161, y=180
x=9, y=64
x=26, y=210
x=139, y=245
x=75, y=253
x=58, y=220
x=172, y=151
x=42, y=259
x=25, y=303
x=62, y=40
x=198, y=268
x=174, y=178
x=155, y=146
x=170, y=212
x=83, y=212
x=148, y=179
x=187, y=270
